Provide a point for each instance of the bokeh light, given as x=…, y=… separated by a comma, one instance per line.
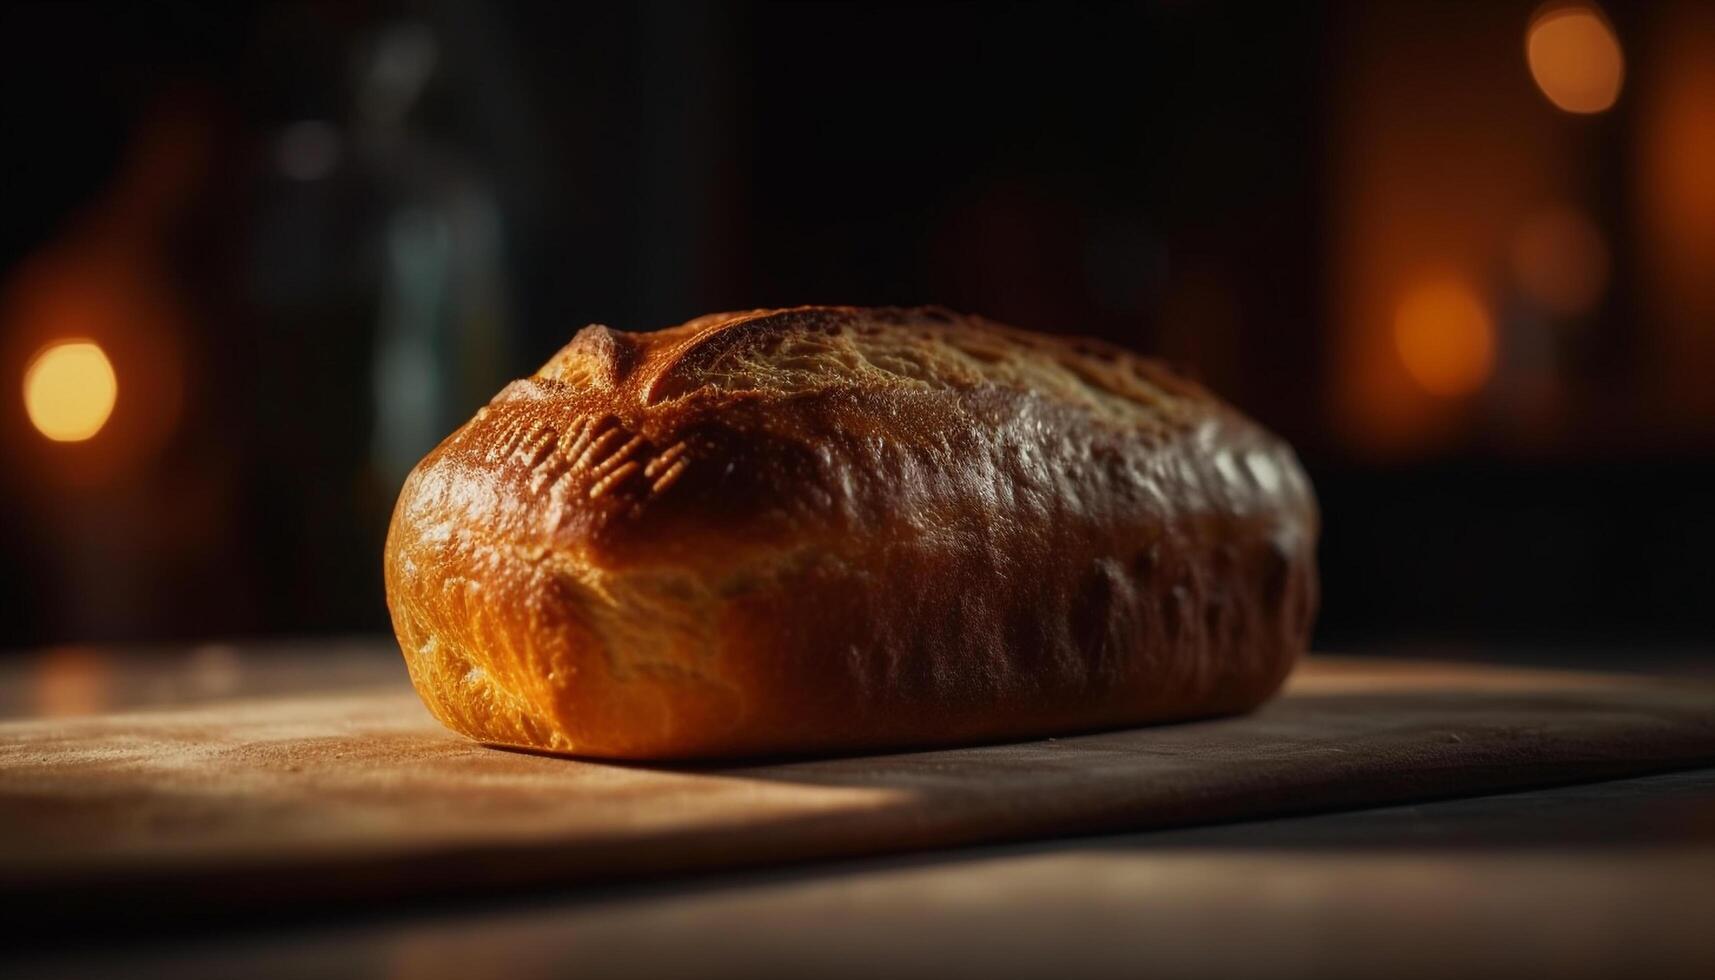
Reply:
x=1561, y=261
x=71, y=681
x=70, y=390
x=1575, y=58
x=1445, y=339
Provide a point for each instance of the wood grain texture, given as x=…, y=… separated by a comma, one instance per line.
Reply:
x=1598, y=880
x=360, y=796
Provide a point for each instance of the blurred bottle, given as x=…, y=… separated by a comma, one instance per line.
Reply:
x=441, y=340
x=380, y=282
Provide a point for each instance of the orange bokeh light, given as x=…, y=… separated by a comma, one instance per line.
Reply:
x=1575, y=58
x=70, y=390
x=1445, y=339
x=1676, y=212
x=72, y=681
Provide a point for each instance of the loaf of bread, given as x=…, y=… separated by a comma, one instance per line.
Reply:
x=830, y=529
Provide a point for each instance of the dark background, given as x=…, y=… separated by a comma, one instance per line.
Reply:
x=315, y=237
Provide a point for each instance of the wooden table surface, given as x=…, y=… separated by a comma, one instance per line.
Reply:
x=1588, y=880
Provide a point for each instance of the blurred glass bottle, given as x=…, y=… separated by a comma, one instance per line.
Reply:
x=441, y=328
x=379, y=282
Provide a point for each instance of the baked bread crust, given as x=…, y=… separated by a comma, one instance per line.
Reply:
x=837, y=529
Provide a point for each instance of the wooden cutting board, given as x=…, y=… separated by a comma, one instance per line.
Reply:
x=313, y=800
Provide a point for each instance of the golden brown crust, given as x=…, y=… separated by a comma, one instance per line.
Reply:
x=833, y=529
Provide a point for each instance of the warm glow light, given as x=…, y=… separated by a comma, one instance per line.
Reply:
x=1560, y=261
x=72, y=681
x=69, y=390
x=1675, y=258
x=1445, y=339
x=1575, y=58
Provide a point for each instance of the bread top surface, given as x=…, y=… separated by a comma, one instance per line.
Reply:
x=776, y=428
